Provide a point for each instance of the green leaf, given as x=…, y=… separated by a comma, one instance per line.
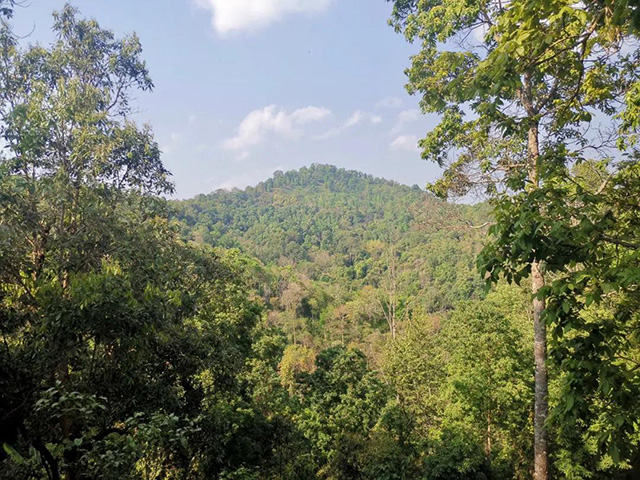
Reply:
x=569, y=401
x=13, y=453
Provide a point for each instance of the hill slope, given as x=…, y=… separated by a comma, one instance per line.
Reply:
x=328, y=237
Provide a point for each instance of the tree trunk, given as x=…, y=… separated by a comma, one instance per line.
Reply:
x=541, y=381
x=541, y=407
x=487, y=450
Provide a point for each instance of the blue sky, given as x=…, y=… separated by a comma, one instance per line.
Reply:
x=247, y=87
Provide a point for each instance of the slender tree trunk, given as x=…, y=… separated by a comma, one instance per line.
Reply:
x=66, y=425
x=541, y=407
x=392, y=289
x=294, y=330
x=488, y=442
x=541, y=381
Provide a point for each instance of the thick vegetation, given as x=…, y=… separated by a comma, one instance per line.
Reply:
x=519, y=87
x=341, y=254
x=325, y=323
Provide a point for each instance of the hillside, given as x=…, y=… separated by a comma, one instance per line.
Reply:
x=324, y=324
x=295, y=213
x=331, y=242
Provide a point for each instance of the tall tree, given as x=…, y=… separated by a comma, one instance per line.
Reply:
x=589, y=232
x=70, y=159
x=517, y=85
x=89, y=293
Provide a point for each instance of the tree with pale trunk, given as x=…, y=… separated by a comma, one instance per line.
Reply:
x=522, y=88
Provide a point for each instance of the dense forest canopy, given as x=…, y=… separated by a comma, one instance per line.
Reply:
x=326, y=323
x=342, y=233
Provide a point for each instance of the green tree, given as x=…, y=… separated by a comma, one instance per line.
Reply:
x=343, y=412
x=589, y=236
x=513, y=105
x=122, y=346
x=488, y=378
x=464, y=383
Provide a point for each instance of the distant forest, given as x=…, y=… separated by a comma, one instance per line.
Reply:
x=327, y=324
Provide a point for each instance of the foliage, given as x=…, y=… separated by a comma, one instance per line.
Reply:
x=466, y=381
x=112, y=327
x=588, y=239
x=517, y=86
x=325, y=323
x=345, y=256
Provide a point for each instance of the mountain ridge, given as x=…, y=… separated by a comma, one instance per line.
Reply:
x=280, y=176
x=342, y=227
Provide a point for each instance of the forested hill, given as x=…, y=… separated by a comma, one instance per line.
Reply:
x=341, y=239
x=296, y=213
x=322, y=207
x=326, y=324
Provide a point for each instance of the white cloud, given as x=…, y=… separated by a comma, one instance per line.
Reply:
x=237, y=15
x=405, y=142
x=233, y=183
x=192, y=119
x=310, y=114
x=390, y=102
x=405, y=117
x=355, y=118
x=175, y=141
x=272, y=120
